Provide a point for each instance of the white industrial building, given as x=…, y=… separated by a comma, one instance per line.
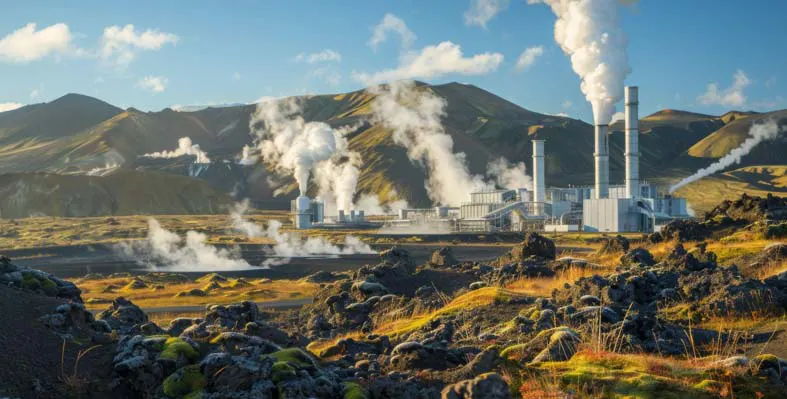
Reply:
x=634, y=206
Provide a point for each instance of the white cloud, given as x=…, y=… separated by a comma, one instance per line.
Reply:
x=567, y=104
x=10, y=106
x=482, y=11
x=153, y=84
x=732, y=96
x=120, y=45
x=330, y=76
x=618, y=116
x=528, y=57
x=391, y=23
x=326, y=55
x=28, y=44
x=435, y=61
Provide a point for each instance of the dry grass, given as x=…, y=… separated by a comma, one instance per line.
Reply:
x=543, y=286
x=264, y=290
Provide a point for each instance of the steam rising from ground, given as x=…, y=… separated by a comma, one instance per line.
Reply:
x=240, y=224
x=185, y=147
x=415, y=116
x=290, y=245
x=588, y=31
x=757, y=134
x=168, y=251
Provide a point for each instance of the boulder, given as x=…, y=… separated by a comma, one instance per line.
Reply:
x=124, y=317
x=613, y=245
x=485, y=386
x=534, y=245
x=443, y=257
x=562, y=346
x=637, y=256
x=398, y=256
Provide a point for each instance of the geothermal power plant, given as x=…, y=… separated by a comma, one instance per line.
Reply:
x=634, y=206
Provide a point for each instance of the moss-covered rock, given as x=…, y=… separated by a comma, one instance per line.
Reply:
x=174, y=348
x=353, y=390
x=283, y=371
x=187, y=382
x=31, y=281
x=295, y=356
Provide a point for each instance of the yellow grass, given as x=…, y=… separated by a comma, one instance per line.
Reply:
x=543, y=286
x=258, y=291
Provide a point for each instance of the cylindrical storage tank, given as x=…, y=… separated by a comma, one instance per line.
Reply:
x=361, y=216
x=303, y=212
x=353, y=216
x=342, y=218
x=320, y=216
x=632, y=142
x=601, y=156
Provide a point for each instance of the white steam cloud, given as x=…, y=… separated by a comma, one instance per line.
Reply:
x=588, y=31
x=415, y=116
x=757, y=134
x=306, y=149
x=240, y=224
x=165, y=250
x=185, y=147
x=509, y=175
x=289, y=245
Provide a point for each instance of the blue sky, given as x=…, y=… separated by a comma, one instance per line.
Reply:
x=203, y=52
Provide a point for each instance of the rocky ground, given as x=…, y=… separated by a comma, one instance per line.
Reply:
x=444, y=329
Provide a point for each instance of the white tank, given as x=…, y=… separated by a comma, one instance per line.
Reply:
x=303, y=214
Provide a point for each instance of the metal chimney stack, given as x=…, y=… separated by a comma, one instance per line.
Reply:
x=538, y=171
x=602, y=161
x=632, y=142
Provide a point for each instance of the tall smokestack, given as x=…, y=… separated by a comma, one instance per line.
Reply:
x=632, y=142
x=602, y=161
x=538, y=171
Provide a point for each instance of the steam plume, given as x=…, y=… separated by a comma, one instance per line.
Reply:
x=757, y=134
x=185, y=147
x=588, y=31
x=415, y=116
x=165, y=249
x=509, y=175
x=306, y=149
x=240, y=224
x=289, y=245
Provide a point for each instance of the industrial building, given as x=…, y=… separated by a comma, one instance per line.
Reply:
x=633, y=206
x=309, y=213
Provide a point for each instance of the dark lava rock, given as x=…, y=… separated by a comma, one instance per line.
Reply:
x=614, y=245
x=398, y=256
x=637, y=256
x=534, y=245
x=485, y=386
x=124, y=317
x=443, y=257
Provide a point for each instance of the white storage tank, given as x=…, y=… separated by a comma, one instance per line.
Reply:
x=303, y=213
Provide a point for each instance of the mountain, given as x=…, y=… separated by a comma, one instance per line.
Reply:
x=78, y=135
x=122, y=193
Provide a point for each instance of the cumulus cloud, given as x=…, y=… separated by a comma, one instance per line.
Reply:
x=482, y=11
x=153, y=84
x=435, y=61
x=10, y=106
x=120, y=45
x=391, y=24
x=28, y=44
x=326, y=55
x=528, y=57
x=732, y=96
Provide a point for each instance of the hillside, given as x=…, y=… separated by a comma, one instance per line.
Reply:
x=753, y=180
x=122, y=193
x=48, y=138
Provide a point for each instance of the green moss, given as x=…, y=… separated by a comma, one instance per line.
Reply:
x=174, y=347
x=708, y=385
x=187, y=382
x=34, y=283
x=353, y=390
x=282, y=371
x=295, y=356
